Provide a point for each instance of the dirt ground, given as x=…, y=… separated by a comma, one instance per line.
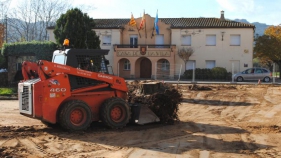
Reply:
x=226, y=121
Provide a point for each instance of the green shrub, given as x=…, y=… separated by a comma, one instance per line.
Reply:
x=216, y=73
x=7, y=91
x=187, y=74
x=219, y=73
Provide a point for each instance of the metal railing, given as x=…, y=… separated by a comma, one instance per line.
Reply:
x=146, y=45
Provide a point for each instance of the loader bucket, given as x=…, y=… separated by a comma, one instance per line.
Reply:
x=141, y=114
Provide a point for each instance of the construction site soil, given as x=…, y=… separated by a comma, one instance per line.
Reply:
x=214, y=121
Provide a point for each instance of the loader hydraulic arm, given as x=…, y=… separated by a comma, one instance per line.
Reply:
x=29, y=70
x=53, y=69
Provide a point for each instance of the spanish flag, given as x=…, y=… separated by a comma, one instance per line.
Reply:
x=132, y=21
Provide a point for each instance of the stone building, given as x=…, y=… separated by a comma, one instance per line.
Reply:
x=142, y=53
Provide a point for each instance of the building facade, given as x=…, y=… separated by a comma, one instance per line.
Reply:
x=142, y=53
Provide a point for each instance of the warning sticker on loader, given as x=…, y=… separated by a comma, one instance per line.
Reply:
x=104, y=76
x=55, y=82
x=52, y=95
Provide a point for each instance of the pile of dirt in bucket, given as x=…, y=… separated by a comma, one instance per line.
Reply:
x=162, y=98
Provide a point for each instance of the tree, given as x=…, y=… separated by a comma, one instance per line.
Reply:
x=30, y=18
x=262, y=62
x=77, y=27
x=268, y=46
x=2, y=61
x=184, y=54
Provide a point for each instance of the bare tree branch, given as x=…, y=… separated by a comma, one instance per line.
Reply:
x=30, y=18
x=184, y=54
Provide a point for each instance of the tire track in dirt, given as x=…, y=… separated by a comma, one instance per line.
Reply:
x=2, y=142
x=244, y=142
x=32, y=147
x=206, y=130
x=181, y=142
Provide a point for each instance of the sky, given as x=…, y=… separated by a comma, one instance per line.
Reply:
x=263, y=11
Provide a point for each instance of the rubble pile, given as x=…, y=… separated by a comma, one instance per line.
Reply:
x=162, y=98
x=195, y=87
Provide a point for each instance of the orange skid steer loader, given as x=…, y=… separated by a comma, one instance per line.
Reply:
x=75, y=89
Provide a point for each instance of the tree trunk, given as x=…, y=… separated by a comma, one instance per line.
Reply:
x=149, y=88
x=279, y=64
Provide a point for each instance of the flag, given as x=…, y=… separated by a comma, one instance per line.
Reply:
x=142, y=22
x=132, y=21
x=156, y=24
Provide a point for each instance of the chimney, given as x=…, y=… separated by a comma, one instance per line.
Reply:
x=222, y=16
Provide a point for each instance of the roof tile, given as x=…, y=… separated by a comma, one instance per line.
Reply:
x=178, y=23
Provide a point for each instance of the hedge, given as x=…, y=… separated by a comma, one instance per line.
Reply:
x=42, y=50
x=216, y=73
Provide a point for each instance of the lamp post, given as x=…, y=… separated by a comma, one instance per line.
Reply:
x=222, y=33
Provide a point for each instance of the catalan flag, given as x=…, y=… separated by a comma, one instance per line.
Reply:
x=142, y=22
x=132, y=21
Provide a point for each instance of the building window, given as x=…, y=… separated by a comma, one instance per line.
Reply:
x=165, y=65
x=159, y=40
x=235, y=40
x=190, y=65
x=127, y=65
x=106, y=40
x=210, y=64
x=133, y=41
x=211, y=40
x=186, y=40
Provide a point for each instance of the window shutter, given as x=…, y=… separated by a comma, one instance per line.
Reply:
x=235, y=40
x=131, y=42
x=106, y=40
x=189, y=65
x=186, y=40
x=210, y=64
x=136, y=42
x=211, y=40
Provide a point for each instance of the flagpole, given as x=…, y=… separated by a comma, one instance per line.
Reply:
x=138, y=30
x=145, y=25
x=134, y=23
x=152, y=31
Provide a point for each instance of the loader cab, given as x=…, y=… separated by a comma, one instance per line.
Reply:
x=87, y=59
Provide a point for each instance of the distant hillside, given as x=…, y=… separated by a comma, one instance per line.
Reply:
x=15, y=35
x=260, y=27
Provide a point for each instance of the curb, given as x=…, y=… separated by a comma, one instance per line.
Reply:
x=8, y=97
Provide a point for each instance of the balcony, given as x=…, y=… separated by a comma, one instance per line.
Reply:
x=144, y=50
x=142, y=45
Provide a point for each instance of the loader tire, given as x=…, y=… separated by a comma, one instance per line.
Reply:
x=115, y=113
x=75, y=115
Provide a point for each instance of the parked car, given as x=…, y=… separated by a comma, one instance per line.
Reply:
x=3, y=70
x=255, y=73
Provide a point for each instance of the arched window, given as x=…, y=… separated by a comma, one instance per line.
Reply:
x=165, y=65
x=127, y=65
